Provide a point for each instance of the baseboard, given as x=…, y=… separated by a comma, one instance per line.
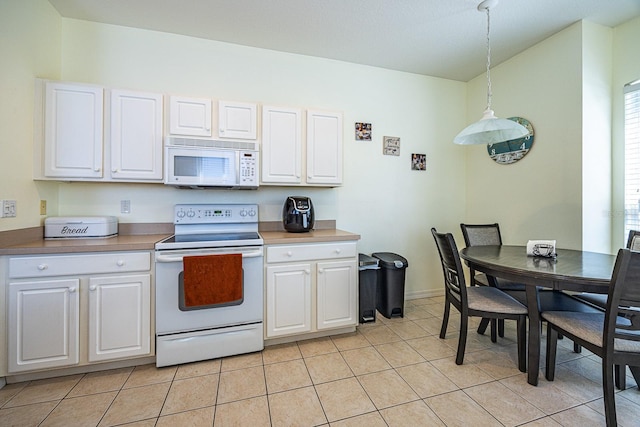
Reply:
x=423, y=294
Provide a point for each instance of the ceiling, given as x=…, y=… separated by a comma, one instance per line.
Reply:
x=441, y=38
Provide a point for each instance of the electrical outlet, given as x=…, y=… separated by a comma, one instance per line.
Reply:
x=125, y=206
x=9, y=208
x=43, y=207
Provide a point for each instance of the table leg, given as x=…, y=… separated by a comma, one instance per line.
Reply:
x=535, y=333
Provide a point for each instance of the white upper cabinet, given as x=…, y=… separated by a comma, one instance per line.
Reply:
x=237, y=120
x=190, y=116
x=87, y=133
x=281, y=145
x=73, y=129
x=324, y=148
x=286, y=160
x=136, y=136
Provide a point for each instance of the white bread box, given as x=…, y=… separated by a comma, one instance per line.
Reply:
x=77, y=227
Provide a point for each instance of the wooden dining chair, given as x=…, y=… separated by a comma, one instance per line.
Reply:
x=479, y=301
x=600, y=301
x=613, y=335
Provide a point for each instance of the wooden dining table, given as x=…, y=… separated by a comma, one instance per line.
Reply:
x=570, y=270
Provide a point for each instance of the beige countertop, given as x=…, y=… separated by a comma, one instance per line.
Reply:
x=313, y=236
x=144, y=242
x=24, y=242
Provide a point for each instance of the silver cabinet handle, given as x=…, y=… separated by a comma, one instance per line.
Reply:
x=42, y=267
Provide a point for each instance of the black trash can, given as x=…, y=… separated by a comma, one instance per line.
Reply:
x=390, y=294
x=367, y=287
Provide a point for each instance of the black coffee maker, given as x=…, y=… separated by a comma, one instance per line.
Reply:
x=297, y=214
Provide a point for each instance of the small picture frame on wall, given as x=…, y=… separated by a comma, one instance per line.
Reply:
x=363, y=131
x=418, y=162
x=391, y=146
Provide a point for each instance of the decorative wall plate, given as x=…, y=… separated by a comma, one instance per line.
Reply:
x=511, y=151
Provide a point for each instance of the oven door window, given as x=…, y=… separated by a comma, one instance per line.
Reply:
x=182, y=303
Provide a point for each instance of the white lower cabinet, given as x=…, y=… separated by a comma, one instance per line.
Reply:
x=77, y=319
x=43, y=324
x=310, y=287
x=119, y=316
x=288, y=299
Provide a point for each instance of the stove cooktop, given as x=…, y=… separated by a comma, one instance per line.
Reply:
x=210, y=240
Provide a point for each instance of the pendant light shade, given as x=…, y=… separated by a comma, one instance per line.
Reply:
x=490, y=129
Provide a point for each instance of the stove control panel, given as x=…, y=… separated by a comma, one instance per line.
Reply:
x=215, y=214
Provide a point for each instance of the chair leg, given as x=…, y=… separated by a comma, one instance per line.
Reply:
x=501, y=328
x=552, y=343
x=620, y=372
x=522, y=344
x=494, y=330
x=445, y=319
x=482, y=327
x=577, y=348
x=462, y=339
x=609, y=393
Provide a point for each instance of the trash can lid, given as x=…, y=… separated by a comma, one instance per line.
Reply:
x=367, y=261
x=391, y=260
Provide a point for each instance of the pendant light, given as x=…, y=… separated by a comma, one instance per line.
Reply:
x=490, y=129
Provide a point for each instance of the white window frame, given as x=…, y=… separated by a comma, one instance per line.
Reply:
x=631, y=157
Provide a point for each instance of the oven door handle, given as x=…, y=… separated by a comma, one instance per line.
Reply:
x=177, y=257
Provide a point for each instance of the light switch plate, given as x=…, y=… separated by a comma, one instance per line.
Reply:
x=9, y=209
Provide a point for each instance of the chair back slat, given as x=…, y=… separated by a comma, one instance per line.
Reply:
x=622, y=318
x=630, y=240
x=454, y=280
x=481, y=234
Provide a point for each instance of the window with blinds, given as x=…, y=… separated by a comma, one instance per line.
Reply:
x=631, y=157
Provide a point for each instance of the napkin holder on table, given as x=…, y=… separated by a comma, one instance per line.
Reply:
x=543, y=248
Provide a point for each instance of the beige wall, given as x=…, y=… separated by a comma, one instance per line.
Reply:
x=391, y=206
x=597, y=68
x=540, y=196
x=626, y=60
x=30, y=47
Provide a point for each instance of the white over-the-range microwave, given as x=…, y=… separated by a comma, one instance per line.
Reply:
x=203, y=163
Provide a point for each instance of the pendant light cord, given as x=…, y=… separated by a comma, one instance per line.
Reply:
x=488, y=61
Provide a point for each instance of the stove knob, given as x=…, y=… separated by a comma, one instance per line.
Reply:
x=180, y=214
x=243, y=212
x=252, y=212
x=191, y=213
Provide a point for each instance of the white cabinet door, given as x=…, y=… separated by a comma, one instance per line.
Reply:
x=73, y=130
x=189, y=116
x=324, y=148
x=288, y=299
x=136, y=135
x=119, y=316
x=43, y=324
x=337, y=293
x=281, y=145
x=237, y=120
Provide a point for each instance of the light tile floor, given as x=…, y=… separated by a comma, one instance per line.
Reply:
x=394, y=372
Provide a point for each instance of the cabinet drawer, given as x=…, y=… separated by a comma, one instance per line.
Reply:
x=282, y=253
x=63, y=265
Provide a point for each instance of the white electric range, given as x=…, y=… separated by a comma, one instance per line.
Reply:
x=212, y=331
